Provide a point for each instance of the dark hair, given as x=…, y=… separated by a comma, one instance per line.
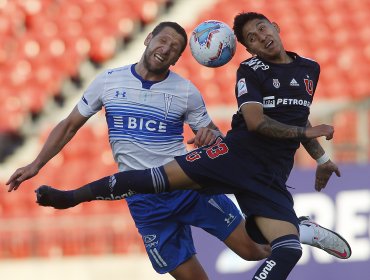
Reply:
x=242, y=19
x=178, y=28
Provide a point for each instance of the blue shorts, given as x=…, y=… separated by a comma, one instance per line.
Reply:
x=164, y=222
x=223, y=167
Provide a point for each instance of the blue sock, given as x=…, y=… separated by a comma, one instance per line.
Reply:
x=124, y=184
x=285, y=253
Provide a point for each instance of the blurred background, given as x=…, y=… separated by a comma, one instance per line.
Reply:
x=49, y=52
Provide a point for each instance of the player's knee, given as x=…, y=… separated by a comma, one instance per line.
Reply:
x=287, y=248
x=255, y=252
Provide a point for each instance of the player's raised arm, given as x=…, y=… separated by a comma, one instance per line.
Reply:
x=58, y=138
x=325, y=167
x=257, y=121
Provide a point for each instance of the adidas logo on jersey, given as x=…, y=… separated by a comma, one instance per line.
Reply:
x=293, y=83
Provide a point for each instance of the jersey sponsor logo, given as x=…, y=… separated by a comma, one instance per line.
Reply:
x=242, y=87
x=276, y=83
x=293, y=83
x=136, y=123
x=309, y=86
x=255, y=64
x=265, y=271
x=270, y=102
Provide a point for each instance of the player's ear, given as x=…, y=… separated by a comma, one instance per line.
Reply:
x=276, y=26
x=148, y=39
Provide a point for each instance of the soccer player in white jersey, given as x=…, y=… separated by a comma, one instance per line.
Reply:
x=146, y=106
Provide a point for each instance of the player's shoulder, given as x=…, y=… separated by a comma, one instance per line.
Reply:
x=307, y=61
x=177, y=77
x=254, y=64
x=117, y=70
x=180, y=81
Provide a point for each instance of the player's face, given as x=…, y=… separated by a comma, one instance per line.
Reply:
x=163, y=50
x=262, y=38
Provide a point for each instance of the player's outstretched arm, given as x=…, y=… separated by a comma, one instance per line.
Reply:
x=58, y=138
x=325, y=167
x=257, y=121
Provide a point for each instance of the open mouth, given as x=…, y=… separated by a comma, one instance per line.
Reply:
x=158, y=57
x=269, y=43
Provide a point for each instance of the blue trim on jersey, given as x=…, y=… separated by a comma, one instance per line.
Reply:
x=138, y=110
x=145, y=83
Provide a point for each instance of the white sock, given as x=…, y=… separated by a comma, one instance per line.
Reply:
x=306, y=234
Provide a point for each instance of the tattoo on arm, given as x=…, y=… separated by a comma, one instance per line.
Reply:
x=275, y=129
x=313, y=146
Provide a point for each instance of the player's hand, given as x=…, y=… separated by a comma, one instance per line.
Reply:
x=20, y=175
x=204, y=136
x=320, y=130
x=323, y=174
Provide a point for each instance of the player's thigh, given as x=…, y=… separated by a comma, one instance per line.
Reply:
x=240, y=242
x=272, y=229
x=177, y=178
x=191, y=269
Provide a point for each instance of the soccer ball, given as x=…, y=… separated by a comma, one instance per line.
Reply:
x=212, y=43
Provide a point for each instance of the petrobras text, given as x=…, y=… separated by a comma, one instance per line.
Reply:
x=270, y=102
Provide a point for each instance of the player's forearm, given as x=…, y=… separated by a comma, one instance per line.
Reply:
x=215, y=129
x=313, y=146
x=275, y=129
x=55, y=142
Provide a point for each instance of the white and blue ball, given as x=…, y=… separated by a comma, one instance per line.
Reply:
x=212, y=43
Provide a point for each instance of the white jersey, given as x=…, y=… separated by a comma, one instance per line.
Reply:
x=145, y=119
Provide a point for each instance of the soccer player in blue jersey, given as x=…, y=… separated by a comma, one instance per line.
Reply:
x=146, y=105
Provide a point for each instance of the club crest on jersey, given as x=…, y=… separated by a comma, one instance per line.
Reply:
x=309, y=86
x=276, y=83
x=242, y=87
x=167, y=104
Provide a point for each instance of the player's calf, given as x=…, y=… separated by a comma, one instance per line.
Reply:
x=115, y=187
x=285, y=253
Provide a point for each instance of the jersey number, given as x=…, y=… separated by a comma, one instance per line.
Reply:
x=217, y=149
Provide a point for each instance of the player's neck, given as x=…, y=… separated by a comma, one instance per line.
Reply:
x=148, y=75
x=282, y=58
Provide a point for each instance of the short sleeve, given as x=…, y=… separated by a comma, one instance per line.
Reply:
x=91, y=101
x=248, y=88
x=196, y=115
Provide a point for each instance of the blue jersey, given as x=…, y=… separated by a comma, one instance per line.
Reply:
x=252, y=166
x=285, y=91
